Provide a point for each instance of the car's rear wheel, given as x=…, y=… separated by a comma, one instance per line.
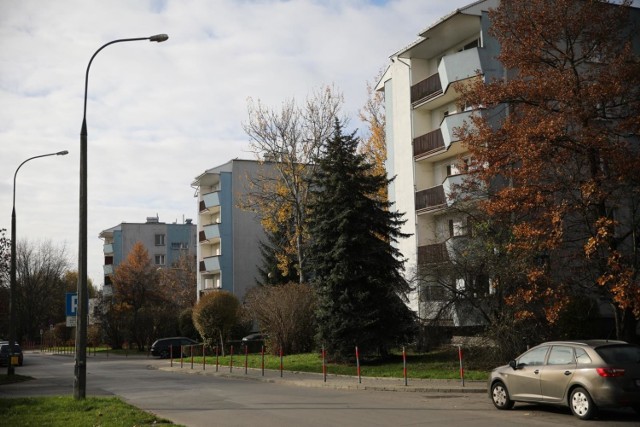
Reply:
x=164, y=354
x=581, y=404
x=500, y=396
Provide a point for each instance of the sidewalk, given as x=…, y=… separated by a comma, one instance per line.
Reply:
x=305, y=379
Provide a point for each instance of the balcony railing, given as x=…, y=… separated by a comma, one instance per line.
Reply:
x=432, y=254
x=210, y=200
x=428, y=143
x=211, y=263
x=430, y=198
x=427, y=88
x=108, y=269
x=210, y=231
x=107, y=249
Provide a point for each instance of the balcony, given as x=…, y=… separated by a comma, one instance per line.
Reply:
x=459, y=66
x=428, y=143
x=452, y=68
x=108, y=269
x=210, y=200
x=107, y=249
x=210, y=264
x=426, y=89
x=211, y=231
x=432, y=254
x=431, y=198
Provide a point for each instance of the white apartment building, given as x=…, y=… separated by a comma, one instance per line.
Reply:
x=422, y=151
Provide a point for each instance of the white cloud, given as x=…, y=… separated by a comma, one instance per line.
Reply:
x=160, y=114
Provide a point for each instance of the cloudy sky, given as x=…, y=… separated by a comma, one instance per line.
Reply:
x=159, y=114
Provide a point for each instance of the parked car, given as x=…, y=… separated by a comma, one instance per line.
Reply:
x=4, y=353
x=166, y=347
x=583, y=375
x=254, y=342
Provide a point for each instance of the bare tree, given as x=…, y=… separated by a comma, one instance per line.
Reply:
x=289, y=138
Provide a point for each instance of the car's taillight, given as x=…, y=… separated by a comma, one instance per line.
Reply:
x=610, y=372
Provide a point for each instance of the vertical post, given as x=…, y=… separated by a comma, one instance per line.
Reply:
x=231, y=360
x=204, y=360
x=170, y=355
x=404, y=365
x=246, y=359
x=191, y=350
x=181, y=356
x=461, y=365
x=217, y=352
x=262, y=357
x=358, y=365
x=324, y=365
x=281, y=363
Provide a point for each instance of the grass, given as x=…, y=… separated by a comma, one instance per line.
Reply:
x=442, y=364
x=66, y=411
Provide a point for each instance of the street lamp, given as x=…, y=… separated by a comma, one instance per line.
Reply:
x=12, y=296
x=82, y=319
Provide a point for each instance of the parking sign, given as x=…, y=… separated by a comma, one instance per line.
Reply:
x=72, y=303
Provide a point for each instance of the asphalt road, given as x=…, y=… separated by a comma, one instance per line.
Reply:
x=211, y=400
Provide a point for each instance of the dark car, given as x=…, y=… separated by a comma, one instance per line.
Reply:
x=254, y=342
x=167, y=347
x=4, y=353
x=583, y=375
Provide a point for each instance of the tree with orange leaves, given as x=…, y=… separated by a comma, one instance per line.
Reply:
x=373, y=146
x=137, y=297
x=558, y=148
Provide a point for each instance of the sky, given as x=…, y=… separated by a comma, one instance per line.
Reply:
x=160, y=114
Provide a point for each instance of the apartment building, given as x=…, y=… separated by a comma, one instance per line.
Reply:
x=165, y=243
x=423, y=152
x=228, y=237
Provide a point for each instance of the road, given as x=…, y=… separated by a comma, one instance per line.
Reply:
x=209, y=400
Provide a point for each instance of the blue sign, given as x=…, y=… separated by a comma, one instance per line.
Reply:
x=72, y=303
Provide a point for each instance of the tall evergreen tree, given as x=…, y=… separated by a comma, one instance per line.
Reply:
x=357, y=269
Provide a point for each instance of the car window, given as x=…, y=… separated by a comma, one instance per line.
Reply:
x=561, y=355
x=582, y=357
x=620, y=354
x=534, y=357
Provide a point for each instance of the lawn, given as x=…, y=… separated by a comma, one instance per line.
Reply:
x=441, y=364
x=66, y=411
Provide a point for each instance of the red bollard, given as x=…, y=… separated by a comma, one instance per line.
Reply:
x=191, y=349
x=404, y=365
x=217, y=350
x=281, y=364
x=231, y=360
x=358, y=365
x=204, y=360
x=170, y=356
x=262, y=354
x=246, y=358
x=461, y=365
x=324, y=365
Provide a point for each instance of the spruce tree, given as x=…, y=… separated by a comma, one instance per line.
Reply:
x=357, y=271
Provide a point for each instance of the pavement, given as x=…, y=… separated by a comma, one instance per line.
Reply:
x=344, y=382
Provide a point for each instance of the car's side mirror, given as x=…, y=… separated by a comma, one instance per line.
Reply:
x=513, y=364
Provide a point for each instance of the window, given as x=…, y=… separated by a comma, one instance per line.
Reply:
x=561, y=355
x=159, y=259
x=582, y=357
x=456, y=228
x=534, y=357
x=159, y=239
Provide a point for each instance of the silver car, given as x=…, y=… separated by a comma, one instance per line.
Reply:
x=583, y=375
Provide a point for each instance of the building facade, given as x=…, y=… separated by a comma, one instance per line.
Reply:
x=423, y=153
x=228, y=237
x=165, y=243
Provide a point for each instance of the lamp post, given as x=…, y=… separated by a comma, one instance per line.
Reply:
x=82, y=319
x=12, y=297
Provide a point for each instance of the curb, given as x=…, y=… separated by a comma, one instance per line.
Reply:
x=340, y=382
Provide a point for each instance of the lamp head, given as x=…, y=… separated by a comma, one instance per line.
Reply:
x=159, y=38
x=62, y=153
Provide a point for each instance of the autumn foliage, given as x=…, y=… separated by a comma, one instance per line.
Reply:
x=557, y=146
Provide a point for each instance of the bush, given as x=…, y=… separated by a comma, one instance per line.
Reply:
x=285, y=314
x=215, y=315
